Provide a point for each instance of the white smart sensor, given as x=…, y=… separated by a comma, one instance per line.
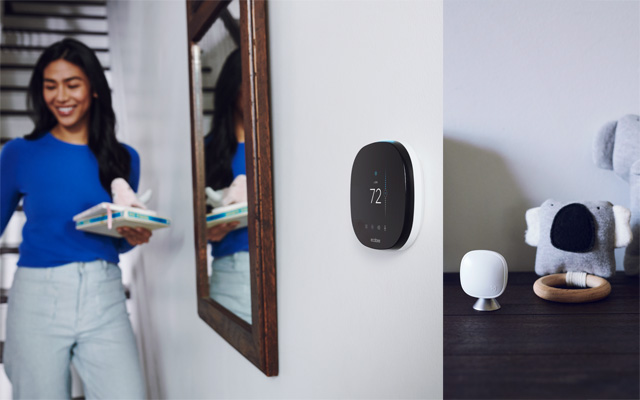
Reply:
x=483, y=274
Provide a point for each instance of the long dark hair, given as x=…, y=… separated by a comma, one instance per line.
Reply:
x=113, y=158
x=221, y=142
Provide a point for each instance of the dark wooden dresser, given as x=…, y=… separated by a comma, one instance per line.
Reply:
x=533, y=348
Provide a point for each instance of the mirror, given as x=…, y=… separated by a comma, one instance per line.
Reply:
x=232, y=176
x=225, y=165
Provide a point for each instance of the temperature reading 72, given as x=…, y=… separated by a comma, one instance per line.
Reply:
x=373, y=195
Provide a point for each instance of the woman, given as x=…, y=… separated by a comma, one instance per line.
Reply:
x=225, y=160
x=67, y=303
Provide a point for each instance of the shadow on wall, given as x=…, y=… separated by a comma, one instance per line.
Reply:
x=484, y=207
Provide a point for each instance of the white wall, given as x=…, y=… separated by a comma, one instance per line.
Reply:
x=151, y=95
x=353, y=322
x=527, y=85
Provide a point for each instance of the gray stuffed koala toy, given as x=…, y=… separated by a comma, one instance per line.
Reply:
x=617, y=147
x=577, y=236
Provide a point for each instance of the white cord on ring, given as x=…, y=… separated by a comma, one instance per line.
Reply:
x=576, y=279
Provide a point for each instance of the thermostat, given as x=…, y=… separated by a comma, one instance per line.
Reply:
x=386, y=196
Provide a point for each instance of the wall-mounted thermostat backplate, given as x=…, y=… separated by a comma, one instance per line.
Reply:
x=386, y=196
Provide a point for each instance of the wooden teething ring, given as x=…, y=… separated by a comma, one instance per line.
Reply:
x=547, y=288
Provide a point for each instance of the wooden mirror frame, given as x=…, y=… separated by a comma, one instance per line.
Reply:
x=258, y=342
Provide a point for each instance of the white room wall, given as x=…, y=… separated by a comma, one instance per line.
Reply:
x=527, y=85
x=353, y=322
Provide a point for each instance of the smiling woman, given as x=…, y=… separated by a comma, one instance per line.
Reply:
x=67, y=94
x=67, y=301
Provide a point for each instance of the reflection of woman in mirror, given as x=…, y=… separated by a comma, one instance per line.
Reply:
x=67, y=302
x=225, y=163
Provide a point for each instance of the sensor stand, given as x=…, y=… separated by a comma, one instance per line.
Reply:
x=486, y=305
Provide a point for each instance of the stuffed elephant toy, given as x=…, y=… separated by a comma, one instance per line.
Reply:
x=577, y=237
x=617, y=147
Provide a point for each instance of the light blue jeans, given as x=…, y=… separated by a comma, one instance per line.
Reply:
x=74, y=313
x=230, y=283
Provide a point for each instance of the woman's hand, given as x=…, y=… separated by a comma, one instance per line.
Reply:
x=218, y=232
x=135, y=236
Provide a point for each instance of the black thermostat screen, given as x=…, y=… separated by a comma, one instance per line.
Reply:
x=379, y=195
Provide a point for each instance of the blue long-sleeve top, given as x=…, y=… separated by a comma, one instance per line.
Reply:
x=56, y=180
x=238, y=239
